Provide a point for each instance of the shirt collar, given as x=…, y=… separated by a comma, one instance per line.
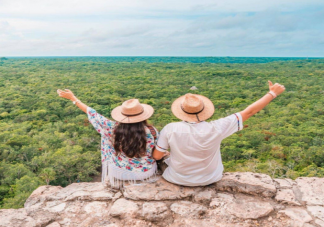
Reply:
x=192, y=123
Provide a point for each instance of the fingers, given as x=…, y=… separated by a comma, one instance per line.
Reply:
x=270, y=83
x=276, y=88
x=60, y=92
x=276, y=84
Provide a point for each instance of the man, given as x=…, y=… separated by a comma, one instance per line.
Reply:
x=195, y=158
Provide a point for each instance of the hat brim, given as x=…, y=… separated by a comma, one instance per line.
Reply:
x=207, y=112
x=117, y=115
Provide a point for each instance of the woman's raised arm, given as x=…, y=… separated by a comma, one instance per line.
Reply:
x=275, y=90
x=69, y=95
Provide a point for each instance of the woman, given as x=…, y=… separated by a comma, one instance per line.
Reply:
x=127, y=143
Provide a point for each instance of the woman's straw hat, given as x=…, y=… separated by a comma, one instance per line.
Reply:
x=193, y=108
x=132, y=111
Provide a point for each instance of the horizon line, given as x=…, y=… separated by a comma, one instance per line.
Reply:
x=161, y=56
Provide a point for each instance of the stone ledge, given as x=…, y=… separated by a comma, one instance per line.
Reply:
x=239, y=199
x=249, y=183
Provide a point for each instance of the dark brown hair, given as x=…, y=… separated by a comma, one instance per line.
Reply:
x=130, y=139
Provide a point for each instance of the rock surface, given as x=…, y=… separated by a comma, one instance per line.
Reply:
x=123, y=207
x=155, y=211
x=249, y=183
x=299, y=216
x=312, y=190
x=287, y=196
x=249, y=207
x=239, y=199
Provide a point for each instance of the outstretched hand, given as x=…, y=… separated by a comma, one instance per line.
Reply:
x=66, y=94
x=276, y=88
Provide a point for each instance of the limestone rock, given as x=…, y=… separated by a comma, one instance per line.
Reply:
x=298, y=215
x=312, y=190
x=94, y=221
x=189, y=222
x=248, y=207
x=136, y=223
x=75, y=207
x=316, y=211
x=54, y=224
x=263, y=202
x=308, y=225
x=40, y=194
x=55, y=207
x=97, y=208
x=112, y=225
x=159, y=190
x=319, y=222
x=155, y=211
x=249, y=183
x=204, y=196
x=186, y=208
x=221, y=199
x=123, y=207
x=83, y=191
x=284, y=183
x=15, y=217
x=287, y=196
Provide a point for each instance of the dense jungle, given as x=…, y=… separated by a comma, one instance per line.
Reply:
x=45, y=139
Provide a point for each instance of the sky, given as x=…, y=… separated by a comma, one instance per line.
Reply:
x=276, y=28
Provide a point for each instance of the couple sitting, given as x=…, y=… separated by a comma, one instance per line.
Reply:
x=130, y=146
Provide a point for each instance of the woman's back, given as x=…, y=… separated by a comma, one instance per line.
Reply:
x=126, y=143
x=118, y=165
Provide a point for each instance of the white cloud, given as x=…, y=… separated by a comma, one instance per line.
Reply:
x=146, y=27
x=84, y=7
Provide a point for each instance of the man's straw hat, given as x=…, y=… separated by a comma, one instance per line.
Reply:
x=193, y=108
x=132, y=111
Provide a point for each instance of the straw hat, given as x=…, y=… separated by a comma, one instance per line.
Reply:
x=193, y=108
x=132, y=111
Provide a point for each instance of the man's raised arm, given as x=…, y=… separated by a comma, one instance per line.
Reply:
x=275, y=90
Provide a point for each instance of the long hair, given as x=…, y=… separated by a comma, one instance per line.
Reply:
x=130, y=139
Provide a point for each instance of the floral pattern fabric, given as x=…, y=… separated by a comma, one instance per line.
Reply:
x=106, y=128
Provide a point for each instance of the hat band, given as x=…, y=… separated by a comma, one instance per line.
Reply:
x=195, y=112
x=131, y=115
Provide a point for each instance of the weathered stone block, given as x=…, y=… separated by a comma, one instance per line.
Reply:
x=40, y=194
x=155, y=211
x=249, y=207
x=123, y=207
x=298, y=215
x=287, y=196
x=312, y=190
x=249, y=183
x=159, y=190
x=186, y=208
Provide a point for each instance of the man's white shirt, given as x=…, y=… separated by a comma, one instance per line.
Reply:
x=195, y=157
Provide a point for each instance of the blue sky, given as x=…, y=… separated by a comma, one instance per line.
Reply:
x=292, y=28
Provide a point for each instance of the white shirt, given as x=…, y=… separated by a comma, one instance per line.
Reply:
x=195, y=158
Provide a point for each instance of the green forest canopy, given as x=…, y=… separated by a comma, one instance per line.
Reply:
x=46, y=139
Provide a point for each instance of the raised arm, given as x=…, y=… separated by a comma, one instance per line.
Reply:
x=103, y=125
x=275, y=90
x=69, y=95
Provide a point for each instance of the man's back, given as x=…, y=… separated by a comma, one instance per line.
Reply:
x=195, y=147
x=195, y=157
